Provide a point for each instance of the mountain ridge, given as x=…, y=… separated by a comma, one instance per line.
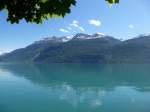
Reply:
x=83, y=48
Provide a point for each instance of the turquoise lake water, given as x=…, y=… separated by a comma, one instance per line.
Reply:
x=74, y=88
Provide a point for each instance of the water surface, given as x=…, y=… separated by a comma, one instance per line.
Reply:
x=74, y=88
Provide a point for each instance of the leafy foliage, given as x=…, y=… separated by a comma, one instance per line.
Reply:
x=112, y=1
x=35, y=11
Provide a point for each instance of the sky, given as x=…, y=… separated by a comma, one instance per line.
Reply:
x=126, y=20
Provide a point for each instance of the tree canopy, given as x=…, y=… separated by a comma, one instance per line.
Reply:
x=35, y=11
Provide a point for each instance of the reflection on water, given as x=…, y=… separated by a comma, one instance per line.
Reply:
x=75, y=97
x=74, y=88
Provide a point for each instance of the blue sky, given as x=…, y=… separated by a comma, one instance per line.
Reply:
x=126, y=20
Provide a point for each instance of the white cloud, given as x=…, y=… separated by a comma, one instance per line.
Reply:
x=69, y=28
x=63, y=30
x=95, y=22
x=75, y=23
x=74, y=31
x=131, y=26
x=81, y=28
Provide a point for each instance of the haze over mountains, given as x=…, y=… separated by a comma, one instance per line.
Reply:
x=83, y=48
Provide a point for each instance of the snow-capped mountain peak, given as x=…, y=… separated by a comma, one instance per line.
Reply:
x=98, y=35
x=54, y=39
x=87, y=36
x=66, y=38
x=80, y=36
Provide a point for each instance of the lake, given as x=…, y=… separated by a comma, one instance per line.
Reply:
x=74, y=88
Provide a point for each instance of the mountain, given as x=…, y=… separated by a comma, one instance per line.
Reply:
x=136, y=50
x=83, y=48
x=79, y=49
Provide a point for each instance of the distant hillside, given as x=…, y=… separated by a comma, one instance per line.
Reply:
x=83, y=48
x=136, y=50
